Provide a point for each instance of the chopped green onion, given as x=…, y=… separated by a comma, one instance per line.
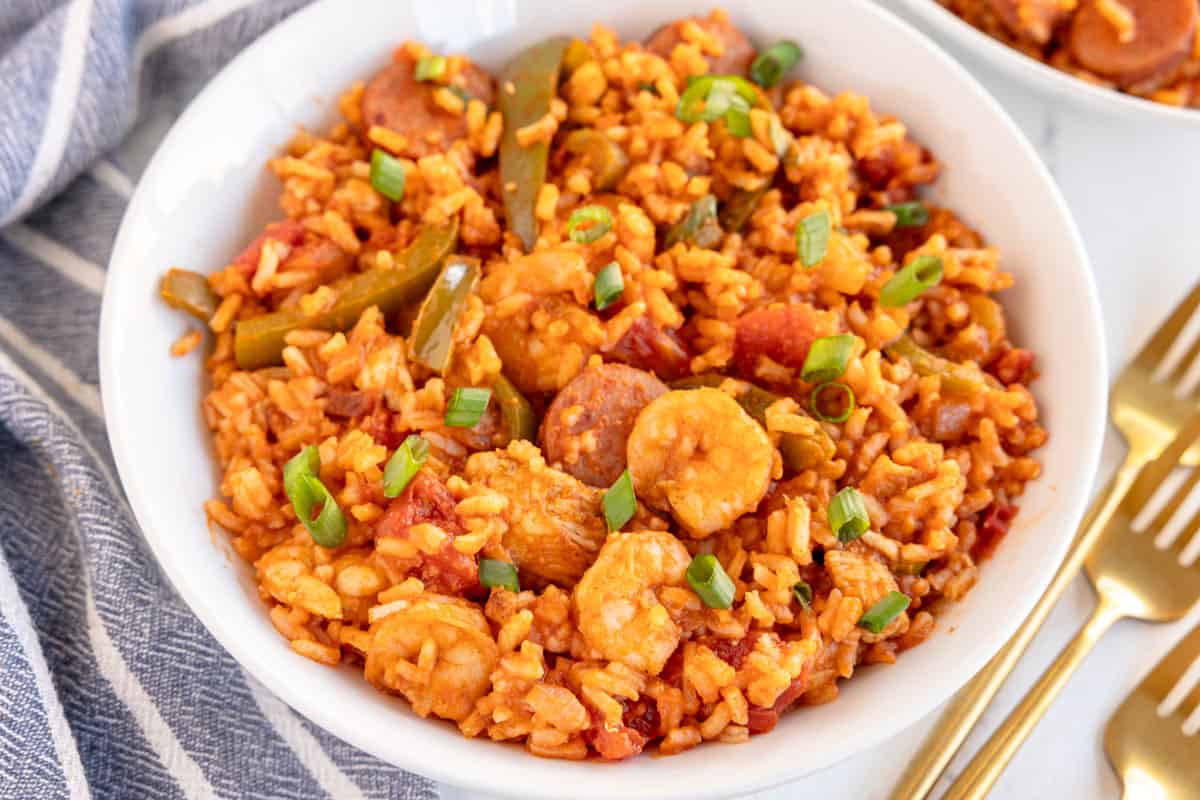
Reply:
x=460, y=93
x=882, y=613
x=609, y=285
x=909, y=215
x=847, y=515
x=498, y=574
x=707, y=578
x=589, y=223
x=387, y=175
x=781, y=139
x=827, y=358
x=707, y=98
x=812, y=237
x=404, y=464
x=619, y=502
x=305, y=491
x=467, y=406
x=646, y=86
x=921, y=273
x=803, y=593
x=737, y=122
x=777, y=59
x=430, y=68
x=814, y=401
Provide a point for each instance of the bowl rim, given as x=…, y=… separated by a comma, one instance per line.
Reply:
x=1041, y=75
x=261, y=668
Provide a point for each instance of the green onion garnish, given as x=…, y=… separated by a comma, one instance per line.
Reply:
x=387, y=175
x=609, y=285
x=848, y=399
x=466, y=407
x=404, y=464
x=708, y=580
x=493, y=573
x=827, y=358
x=305, y=491
x=812, y=237
x=737, y=122
x=909, y=215
x=904, y=287
x=589, y=223
x=803, y=593
x=882, y=613
x=430, y=68
x=777, y=59
x=646, y=86
x=847, y=515
x=709, y=97
x=619, y=502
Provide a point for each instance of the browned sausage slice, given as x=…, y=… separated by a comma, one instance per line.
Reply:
x=1163, y=36
x=588, y=423
x=736, y=57
x=1034, y=20
x=395, y=99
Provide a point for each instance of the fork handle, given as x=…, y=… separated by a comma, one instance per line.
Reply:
x=989, y=763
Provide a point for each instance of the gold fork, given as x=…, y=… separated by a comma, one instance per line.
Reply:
x=1149, y=415
x=1149, y=752
x=1133, y=577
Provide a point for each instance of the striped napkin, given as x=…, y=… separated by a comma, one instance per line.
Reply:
x=109, y=687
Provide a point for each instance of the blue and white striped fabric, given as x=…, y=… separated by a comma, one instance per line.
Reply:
x=110, y=688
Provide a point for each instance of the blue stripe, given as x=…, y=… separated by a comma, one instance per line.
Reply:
x=26, y=748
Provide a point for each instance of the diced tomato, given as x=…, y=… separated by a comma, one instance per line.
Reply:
x=426, y=499
x=763, y=719
x=288, y=231
x=783, y=333
x=997, y=519
x=654, y=349
x=1015, y=366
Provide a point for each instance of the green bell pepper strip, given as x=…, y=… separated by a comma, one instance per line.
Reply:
x=955, y=378
x=698, y=227
x=604, y=157
x=259, y=342
x=189, y=292
x=527, y=85
x=800, y=451
x=519, y=420
x=433, y=331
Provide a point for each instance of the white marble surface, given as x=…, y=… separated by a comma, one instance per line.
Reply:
x=1132, y=190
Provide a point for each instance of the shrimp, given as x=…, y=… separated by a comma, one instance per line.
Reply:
x=537, y=317
x=617, y=603
x=698, y=455
x=437, y=651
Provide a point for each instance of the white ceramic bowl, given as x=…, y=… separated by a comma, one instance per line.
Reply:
x=1043, y=78
x=207, y=192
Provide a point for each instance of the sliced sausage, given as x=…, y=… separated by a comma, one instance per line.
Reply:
x=350, y=404
x=654, y=349
x=395, y=99
x=598, y=407
x=1162, y=39
x=736, y=57
x=1034, y=20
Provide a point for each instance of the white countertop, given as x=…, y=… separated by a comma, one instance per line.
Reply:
x=1128, y=188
